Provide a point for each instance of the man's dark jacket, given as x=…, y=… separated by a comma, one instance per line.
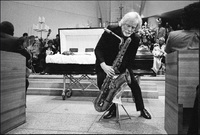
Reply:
x=108, y=47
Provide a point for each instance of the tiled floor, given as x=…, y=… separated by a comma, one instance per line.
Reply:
x=76, y=115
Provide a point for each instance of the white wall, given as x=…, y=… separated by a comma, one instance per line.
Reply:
x=58, y=14
x=67, y=14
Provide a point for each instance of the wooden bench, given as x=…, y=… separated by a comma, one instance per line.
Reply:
x=181, y=80
x=13, y=71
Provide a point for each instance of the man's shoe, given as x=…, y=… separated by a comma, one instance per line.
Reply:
x=154, y=73
x=145, y=114
x=110, y=114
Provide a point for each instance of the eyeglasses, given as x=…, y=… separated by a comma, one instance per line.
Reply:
x=129, y=26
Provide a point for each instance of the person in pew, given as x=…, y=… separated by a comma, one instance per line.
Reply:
x=25, y=35
x=14, y=44
x=159, y=55
x=160, y=30
x=47, y=50
x=56, y=42
x=188, y=38
x=168, y=29
x=106, y=51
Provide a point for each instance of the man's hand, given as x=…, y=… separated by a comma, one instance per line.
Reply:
x=107, y=69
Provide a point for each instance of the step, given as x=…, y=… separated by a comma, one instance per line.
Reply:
x=53, y=85
x=59, y=85
x=85, y=93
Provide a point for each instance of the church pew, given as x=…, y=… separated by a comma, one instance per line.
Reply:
x=181, y=80
x=13, y=71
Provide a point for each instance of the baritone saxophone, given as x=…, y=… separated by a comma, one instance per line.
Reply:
x=112, y=85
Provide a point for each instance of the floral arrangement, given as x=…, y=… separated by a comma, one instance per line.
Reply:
x=146, y=35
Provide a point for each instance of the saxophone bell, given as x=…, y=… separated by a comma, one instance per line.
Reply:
x=100, y=104
x=104, y=98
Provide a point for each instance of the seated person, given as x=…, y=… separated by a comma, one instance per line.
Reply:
x=159, y=55
x=49, y=49
x=14, y=44
x=188, y=39
x=36, y=48
x=56, y=42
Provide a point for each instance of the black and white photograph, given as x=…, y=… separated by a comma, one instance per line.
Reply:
x=100, y=67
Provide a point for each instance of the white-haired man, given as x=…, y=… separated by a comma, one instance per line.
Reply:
x=106, y=51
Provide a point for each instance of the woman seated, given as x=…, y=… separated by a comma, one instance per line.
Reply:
x=159, y=55
x=49, y=49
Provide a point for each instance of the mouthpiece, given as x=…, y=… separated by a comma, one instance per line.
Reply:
x=108, y=31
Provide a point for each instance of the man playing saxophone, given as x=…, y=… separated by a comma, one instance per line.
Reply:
x=106, y=52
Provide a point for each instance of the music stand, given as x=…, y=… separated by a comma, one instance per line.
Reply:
x=118, y=101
